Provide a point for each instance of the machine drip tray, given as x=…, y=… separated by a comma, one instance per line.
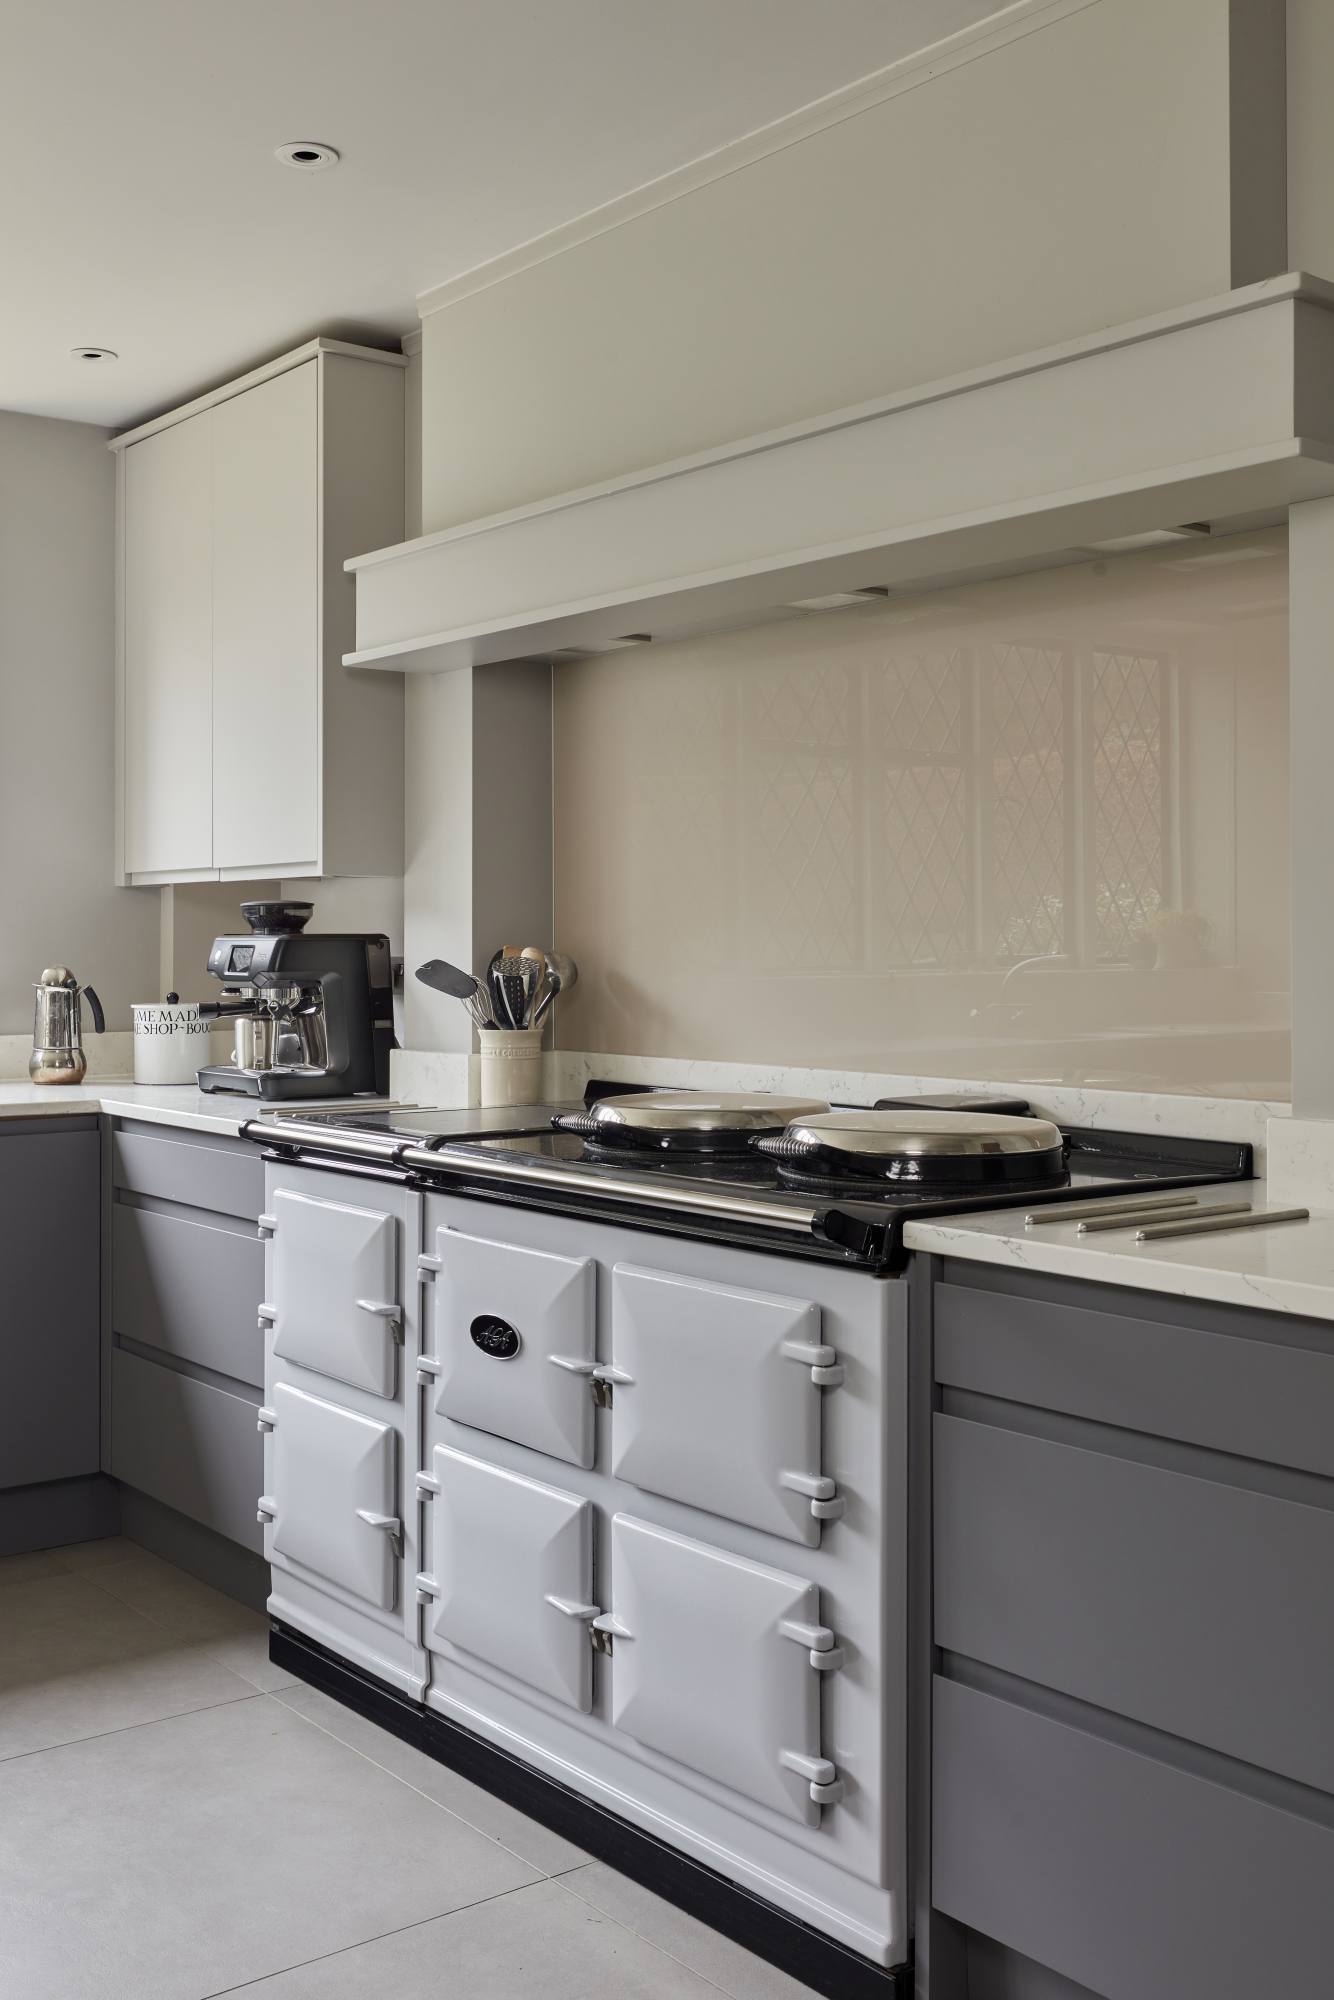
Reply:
x=772, y=1934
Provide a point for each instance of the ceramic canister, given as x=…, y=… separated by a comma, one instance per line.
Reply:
x=170, y=1041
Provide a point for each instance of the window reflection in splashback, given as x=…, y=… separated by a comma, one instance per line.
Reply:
x=1034, y=829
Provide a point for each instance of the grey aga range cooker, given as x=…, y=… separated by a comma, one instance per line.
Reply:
x=586, y=1465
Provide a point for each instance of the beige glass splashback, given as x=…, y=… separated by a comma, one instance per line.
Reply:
x=1034, y=829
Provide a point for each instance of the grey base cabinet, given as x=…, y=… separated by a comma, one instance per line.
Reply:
x=184, y=1359
x=49, y=1232
x=1133, y=1710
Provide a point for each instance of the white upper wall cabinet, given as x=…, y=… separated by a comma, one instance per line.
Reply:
x=167, y=625
x=266, y=791
x=237, y=714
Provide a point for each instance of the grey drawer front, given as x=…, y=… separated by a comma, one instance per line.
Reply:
x=192, y=1446
x=1256, y=1396
x=1199, y=1608
x=226, y=1177
x=1136, y=1879
x=189, y=1288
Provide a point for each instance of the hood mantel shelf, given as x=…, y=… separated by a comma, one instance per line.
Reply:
x=1220, y=412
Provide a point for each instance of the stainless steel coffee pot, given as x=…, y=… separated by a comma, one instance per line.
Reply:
x=57, y=1027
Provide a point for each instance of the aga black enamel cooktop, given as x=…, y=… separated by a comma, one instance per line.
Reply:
x=787, y=1174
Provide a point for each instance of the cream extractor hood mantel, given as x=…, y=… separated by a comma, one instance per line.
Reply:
x=1218, y=412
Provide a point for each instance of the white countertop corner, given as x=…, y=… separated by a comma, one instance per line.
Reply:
x=1286, y=1268
x=156, y=1104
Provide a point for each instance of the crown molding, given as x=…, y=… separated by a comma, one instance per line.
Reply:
x=997, y=31
x=309, y=350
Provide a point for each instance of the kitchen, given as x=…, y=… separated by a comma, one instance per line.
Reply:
x=665, y=1100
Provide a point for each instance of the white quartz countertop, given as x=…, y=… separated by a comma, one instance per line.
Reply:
x=1288, y=1267
x=156, y=1104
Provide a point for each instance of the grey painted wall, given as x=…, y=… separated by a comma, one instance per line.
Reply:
x=57, y=692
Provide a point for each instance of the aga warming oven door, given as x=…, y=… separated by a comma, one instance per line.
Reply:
x=662, y=1520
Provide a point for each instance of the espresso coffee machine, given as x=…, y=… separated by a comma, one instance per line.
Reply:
x=315, y=1013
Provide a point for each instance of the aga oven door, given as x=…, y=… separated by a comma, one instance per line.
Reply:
x=512, y=1574
x=333, y=1500
x=335, y=1304
x=717, y=1399
x=717, y=1662
x=512, y=1341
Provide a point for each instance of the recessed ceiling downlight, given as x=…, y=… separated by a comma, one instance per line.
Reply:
x=93, y=354
x=308, y=156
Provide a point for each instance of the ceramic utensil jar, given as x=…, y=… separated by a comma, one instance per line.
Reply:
x=511, y=1065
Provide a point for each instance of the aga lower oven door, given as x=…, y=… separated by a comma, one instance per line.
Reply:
x=717, y=1662
x=334, y=1498
x=512, y=1576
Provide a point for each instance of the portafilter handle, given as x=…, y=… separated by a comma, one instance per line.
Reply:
x=230, y=1010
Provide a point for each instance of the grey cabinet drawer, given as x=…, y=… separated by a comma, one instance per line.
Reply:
x=225, y=1176
x=190, y=1288
x=1201, y=1608
x=188, y=1444
x=1220, y=1376
x=1134, y=1878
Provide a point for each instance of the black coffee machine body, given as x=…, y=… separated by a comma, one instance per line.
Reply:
x=314, y=1012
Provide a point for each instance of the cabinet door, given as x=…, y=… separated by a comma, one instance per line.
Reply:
x=167, y=701
x=333, y=1503
x=49, y=1318
x=513, y=1335
x=265, y=611
x=712, y=1664
x=717, y=1402
x=335, y=1306
x=514, y=1573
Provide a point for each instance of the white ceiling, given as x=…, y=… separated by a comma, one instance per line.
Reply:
x=141, y=208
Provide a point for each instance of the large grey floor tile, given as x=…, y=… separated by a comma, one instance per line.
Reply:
x=85, y=1701
x=247, y=1654
x=539, y=1944
x=98, y=1554
x=178, y=1602
x=716, y=1958
x=51, y=1622
x=22, y=1569
x=526, y=1837
x=200, y=1853
x=76, y=1663
x=192, y=1612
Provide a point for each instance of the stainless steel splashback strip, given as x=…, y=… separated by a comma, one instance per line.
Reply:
x=676, y=1199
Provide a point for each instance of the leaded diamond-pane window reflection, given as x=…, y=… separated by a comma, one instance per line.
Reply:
x=1128, y=779
x=1023, y=795
x=923, y=900
x=1026, y=693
